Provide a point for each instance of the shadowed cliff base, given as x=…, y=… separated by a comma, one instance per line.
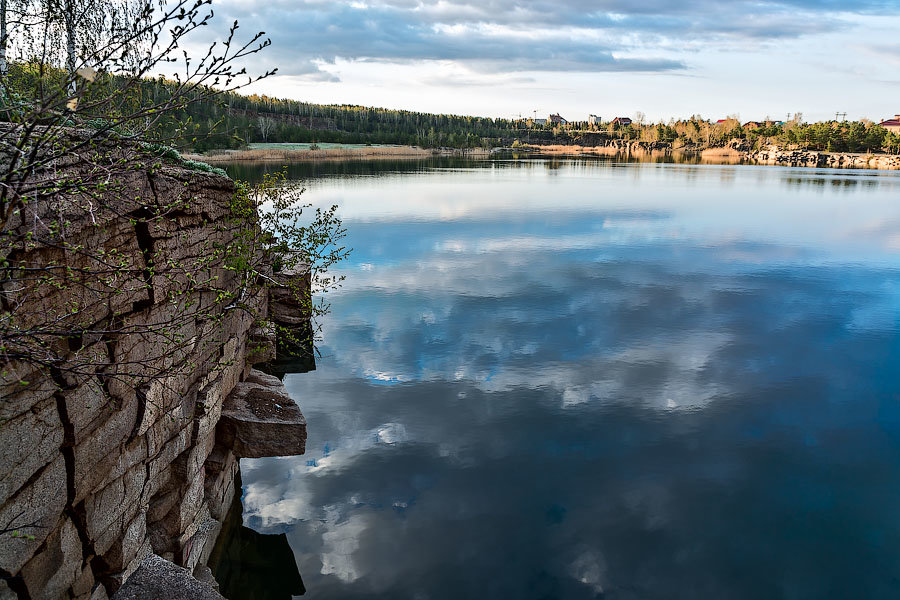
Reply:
x=252, y=566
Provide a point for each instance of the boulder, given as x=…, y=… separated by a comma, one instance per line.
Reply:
x=159, y=579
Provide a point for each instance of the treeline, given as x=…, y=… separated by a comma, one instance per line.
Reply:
x=833, y=136
x=264, y=119
x=699, y=133
x=232, y=120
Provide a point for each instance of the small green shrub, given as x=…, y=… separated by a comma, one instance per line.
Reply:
x=173, y=155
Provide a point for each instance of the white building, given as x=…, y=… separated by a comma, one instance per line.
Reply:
x=593, y=120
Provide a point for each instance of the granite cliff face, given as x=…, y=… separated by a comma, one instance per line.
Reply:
x=96, y=480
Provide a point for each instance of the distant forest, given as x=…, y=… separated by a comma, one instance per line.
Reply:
x=232, y=120
x=263, y=119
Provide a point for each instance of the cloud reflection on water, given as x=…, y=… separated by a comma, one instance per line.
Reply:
x=635, y=414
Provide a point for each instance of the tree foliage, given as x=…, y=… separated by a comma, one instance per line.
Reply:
x=296, y=249
x=85, y=144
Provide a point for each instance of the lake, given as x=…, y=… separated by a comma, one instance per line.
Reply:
x=598, y=379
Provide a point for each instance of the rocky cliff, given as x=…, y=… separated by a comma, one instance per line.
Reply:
x=735, y=151
x=96, y=477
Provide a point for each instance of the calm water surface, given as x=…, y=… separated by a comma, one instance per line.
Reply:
x=577, y=379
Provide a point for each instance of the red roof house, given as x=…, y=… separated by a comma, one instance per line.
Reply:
x=892, y=125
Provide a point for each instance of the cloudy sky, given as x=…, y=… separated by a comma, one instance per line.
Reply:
x=576, y=57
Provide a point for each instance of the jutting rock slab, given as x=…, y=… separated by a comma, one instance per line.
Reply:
x=259, y=419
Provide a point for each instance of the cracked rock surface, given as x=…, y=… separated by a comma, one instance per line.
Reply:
x=159, y=579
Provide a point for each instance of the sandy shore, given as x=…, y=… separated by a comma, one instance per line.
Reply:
x=366, y=153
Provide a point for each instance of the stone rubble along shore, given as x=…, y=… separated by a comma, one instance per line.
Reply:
x=837, y=160
x=736, y=151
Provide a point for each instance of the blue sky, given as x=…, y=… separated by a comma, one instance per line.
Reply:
x=502, y=58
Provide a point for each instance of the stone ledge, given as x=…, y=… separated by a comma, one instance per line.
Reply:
x=260, y=419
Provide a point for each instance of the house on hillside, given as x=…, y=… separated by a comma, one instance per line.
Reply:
x=540, y=122
x=752, y=125
x=623, y=121
x=593, y=120
x=557, y=120
x=892, y=125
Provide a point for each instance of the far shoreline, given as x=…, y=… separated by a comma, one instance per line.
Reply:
x=770, y=156
x=363, y=153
